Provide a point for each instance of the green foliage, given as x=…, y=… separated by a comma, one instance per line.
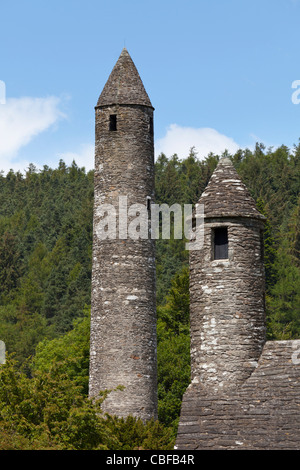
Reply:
x=173, y=376
x=284, y=299
x=132, y=433
x=71, y=350
x=269, y=249
x=45, y=254
x=294, y=234
x=174, y=313
x=173, y=349
x=180, y=182
x=45, y=276
x=49, y=411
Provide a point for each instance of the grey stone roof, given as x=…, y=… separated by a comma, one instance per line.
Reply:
x=124, y=85
x=264, y=413
x=226, y=195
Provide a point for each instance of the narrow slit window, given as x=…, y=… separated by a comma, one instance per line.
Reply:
x=151, y=126
x=148, y=203
x=113, y=122
x=220, y=243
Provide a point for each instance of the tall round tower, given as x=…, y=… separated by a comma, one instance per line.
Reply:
x=123, y=316
x=227, y=304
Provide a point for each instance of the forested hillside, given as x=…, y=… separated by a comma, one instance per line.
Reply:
x=45, y=276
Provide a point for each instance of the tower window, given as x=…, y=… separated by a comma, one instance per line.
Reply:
x=113, y=122
x=220, y=243
x=151, y=126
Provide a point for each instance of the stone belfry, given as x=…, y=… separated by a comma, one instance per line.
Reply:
x=244, y=391
x=123, y=314
x=227, y=302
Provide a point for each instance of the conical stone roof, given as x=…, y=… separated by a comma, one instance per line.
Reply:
x=226, y=195
x=124, y=85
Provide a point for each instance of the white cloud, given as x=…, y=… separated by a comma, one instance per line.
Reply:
x=21, y=119
x=180, y=139
x=83, y=157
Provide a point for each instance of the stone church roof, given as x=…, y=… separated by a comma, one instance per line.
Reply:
x=226, y=195
x=124, y=85
x=264, y=413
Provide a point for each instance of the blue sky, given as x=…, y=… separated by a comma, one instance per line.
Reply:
x=218, y=72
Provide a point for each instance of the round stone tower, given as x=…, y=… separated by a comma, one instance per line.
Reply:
x=227, y=301
x=123, y=316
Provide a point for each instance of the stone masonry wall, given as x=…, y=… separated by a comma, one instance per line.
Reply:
x=227, y=306
x=123, y=320
x=262, y=414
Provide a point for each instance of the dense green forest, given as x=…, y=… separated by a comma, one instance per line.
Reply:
x=45, y=276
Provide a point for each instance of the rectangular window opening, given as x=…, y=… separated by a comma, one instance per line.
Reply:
x=113, y=122
x=220, y=243
x=151, y=126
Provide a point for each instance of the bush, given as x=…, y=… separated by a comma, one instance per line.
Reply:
x=49, y=411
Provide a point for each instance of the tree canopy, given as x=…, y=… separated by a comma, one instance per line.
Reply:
x=46, y=232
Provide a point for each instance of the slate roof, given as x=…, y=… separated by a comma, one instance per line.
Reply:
x=226, y=195
x=124, y=85
x=264, y=413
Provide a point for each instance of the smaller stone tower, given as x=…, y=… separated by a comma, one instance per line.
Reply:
x=245, y=392
x=227, y=301
x=123, y=313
